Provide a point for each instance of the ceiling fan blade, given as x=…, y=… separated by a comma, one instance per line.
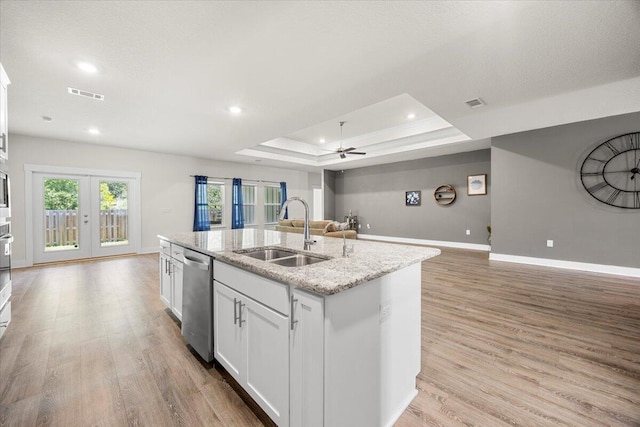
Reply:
x=357, y=152
x=349, y=149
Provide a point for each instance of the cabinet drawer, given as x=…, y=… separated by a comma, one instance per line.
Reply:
x=5, y=293
x=165, y=247
x=265, y=291
x=177, y=252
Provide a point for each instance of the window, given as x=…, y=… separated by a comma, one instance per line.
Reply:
x=271, y=204
x=215, y=197
x=249, y=203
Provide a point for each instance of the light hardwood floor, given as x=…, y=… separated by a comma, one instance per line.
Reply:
x=502, y=344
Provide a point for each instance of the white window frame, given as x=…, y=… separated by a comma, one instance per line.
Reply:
x=222, y=203
x=254, y=204
x=265, y=204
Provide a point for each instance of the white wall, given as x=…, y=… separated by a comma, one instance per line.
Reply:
x=167, y=189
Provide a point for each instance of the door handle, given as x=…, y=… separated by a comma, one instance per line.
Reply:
x=235, y=311
x=293, y=322
x=192, y=262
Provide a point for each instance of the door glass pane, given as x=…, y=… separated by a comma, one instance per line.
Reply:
x=114, y=214
x=61, y=200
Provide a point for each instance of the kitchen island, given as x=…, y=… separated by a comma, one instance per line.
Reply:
x=333, y=343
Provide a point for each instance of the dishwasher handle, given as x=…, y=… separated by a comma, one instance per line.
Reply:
x=192, y=262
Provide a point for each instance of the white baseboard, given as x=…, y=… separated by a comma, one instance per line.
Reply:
x=19, y=263
x=461, y=245
x=570, y=265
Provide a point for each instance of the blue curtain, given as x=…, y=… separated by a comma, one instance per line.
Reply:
x=237, y=215
x=283, y=197
x=201, y=211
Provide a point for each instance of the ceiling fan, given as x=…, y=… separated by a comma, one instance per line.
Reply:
x=344, y=151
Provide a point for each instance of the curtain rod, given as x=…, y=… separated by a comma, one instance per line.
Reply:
x=252, y=180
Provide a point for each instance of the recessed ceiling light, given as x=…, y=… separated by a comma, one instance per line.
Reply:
x=86, y=67
x=322, y=141
x=94, y=131
x=47, y=119
x=234, y=109
x=411, y=116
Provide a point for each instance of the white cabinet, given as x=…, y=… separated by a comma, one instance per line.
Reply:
x=171, y=276
x=227, y=332
x=5, y=318
x=307, y=359
x=355, y=355
x=165, y=279
x=4, y=117
x=177, y=274
x=252, y=339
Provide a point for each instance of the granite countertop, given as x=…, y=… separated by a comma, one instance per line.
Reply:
x=368, y=260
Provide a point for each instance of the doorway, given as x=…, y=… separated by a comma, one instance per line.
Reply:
x=77, y=216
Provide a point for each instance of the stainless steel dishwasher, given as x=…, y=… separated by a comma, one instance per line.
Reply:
x=197, y=303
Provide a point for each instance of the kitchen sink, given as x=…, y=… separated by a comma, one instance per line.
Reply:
x=282, y=257
x=298, y=260
x=268, y=254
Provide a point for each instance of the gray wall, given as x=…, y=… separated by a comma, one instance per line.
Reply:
x=377, y=195
x=329, y=194
x=537, y=196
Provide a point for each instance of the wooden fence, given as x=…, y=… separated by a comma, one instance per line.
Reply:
x=61, y=227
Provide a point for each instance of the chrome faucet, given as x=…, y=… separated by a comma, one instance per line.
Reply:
x=345, y=251
x=307, y=235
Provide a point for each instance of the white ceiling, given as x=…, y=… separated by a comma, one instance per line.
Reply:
x=169, y=71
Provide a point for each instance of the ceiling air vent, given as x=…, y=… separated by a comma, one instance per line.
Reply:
x=86, y=94
x=475, y=103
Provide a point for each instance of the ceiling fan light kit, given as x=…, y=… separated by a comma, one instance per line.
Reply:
x=344, y=151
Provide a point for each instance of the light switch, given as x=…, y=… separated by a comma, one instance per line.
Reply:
x=549, y=243
x=468, y=232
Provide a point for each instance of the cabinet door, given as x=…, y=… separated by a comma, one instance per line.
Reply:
x=227, y=333
x=267, y=361
x=307, y=359
x=4, y=123
x=165, y=280
x=177, y=278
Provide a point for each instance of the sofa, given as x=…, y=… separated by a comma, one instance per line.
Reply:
x=325, y=228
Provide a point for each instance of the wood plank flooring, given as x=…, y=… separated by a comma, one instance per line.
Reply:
x=90, y=343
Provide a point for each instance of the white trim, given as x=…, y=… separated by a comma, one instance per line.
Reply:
x=80, y=171
x=30, y=169
x=569, y=265
x=461, y=245
x=149, y=250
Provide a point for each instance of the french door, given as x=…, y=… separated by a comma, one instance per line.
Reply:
x=82, y=216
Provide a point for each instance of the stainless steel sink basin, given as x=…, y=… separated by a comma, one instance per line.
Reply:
x=269, y=254
x=298, y=260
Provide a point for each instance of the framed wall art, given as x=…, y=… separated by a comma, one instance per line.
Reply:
x=412, y=198
x=477, y=185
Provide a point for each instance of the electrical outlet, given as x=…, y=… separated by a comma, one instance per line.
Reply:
x=468, y=232
x=359, y=226
x=549, y=243
x=368, y=226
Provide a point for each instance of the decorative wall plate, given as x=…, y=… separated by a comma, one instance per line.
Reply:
x=445, y=194
x=611, y=172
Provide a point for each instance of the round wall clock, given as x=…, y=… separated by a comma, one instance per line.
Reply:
x=611, y=172
x=445, y=194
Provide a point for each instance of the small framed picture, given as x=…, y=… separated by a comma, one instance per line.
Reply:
x=477, y=185
x=412, y=198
